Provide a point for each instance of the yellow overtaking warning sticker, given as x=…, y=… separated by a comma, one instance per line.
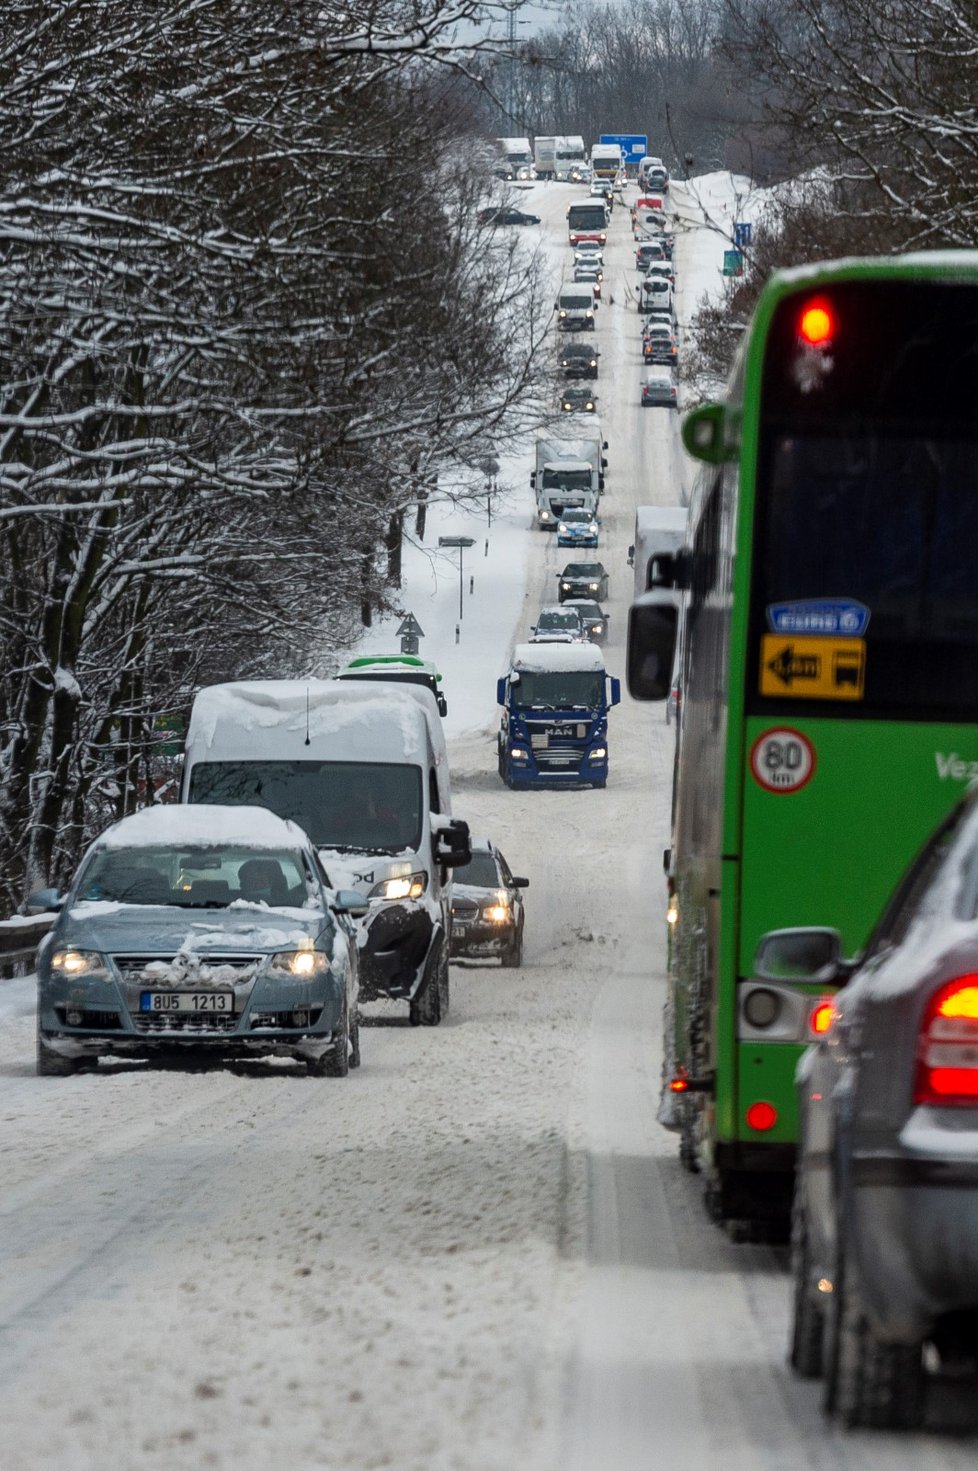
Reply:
x=813, y=668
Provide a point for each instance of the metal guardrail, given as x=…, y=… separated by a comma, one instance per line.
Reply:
x=19, y=940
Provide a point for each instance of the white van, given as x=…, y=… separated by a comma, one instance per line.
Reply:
x=657, y=529
x=355, y=765
x=655, y=293
x=576, y=307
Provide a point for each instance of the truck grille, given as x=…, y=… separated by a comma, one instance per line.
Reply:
x=559, y=758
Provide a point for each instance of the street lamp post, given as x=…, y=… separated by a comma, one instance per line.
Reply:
x=461, y=542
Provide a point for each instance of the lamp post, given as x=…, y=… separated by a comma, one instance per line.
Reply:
x=461, y=542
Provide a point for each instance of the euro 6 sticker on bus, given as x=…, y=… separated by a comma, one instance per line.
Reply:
x=782, y=760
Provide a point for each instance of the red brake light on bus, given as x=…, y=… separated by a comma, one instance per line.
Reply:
x=761, y=1116
x=821, y=1017
x=816, y=323
x=947, y=1067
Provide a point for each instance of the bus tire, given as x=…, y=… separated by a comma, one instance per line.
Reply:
x=688, y=1157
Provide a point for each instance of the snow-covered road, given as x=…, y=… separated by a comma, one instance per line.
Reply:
x=479, y=1252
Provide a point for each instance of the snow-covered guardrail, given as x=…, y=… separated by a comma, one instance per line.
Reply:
x=19, y=939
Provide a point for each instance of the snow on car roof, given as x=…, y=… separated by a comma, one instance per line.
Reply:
x=203, y=824
x=308, y=719
x=539, y=658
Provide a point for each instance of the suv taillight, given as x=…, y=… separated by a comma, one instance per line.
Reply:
x=947, y=1061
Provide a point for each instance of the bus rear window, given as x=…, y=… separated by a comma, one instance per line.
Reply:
x=867, y=499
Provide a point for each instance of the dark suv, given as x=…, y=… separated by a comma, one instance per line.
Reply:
x=582, y=580
x=487, y=908
x=579, y=360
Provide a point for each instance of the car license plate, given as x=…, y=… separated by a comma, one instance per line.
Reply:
x=459, y=929
x=195, y=1002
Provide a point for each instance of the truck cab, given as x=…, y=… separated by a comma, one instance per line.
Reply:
x=554, y=729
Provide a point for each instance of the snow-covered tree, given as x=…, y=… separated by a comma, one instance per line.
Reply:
x=247, y=313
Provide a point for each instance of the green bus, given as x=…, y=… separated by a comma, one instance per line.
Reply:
x=828, y=604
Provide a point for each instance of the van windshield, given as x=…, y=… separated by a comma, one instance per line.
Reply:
x=349, y=806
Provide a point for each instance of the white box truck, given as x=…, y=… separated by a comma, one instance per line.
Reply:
x=567, y=473
x=360, y=767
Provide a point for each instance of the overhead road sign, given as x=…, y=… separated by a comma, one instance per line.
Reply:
x=634, y=146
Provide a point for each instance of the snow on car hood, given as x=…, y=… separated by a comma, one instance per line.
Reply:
x=112, y=927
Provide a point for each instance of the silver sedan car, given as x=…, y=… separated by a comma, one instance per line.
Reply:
x=885, y=1221
x=199, y=930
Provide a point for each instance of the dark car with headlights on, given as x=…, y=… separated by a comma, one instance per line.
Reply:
x=582, y=580
x=487, y=908
x=506, y=216
x=576, y=399
x=594, y=620
x=199, y=930
x=579, y=360
x=885, y=1221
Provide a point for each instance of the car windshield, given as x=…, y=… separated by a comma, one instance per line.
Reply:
x=481, y=872
x=591, y=570
x=372, y=807
x=206, y=877
x=566, y=622
x=576, y=518
x=559, y=689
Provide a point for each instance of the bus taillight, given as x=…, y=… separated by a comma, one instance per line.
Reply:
x=761, y=1116
x=816, y=323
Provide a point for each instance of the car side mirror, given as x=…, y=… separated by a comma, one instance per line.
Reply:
x=442, y=704
x=452, y=844
x=43, y=900
x=520, y=883
x=351, y=902
x=813, y=954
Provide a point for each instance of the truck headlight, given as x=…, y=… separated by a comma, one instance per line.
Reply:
x=598, y=754
x=517, y=753
x=302, y=965
x=408, y=886
x=78, y=963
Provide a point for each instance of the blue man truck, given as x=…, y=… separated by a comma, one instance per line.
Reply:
x=554, y=729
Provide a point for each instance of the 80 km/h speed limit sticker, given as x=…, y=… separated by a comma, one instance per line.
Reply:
x=782, y=760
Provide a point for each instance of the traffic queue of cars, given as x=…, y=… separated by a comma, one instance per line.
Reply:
x=656, y=301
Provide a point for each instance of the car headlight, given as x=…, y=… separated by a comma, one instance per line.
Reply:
x=592, y=587
x=499, y=912
x=565, y=587
x=77, y=964
x=589, y=314
x=545, y=516
x=407, y=886
x=562, y=314
x=303, y=965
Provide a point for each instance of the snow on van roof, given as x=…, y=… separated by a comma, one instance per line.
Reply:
x=538, y=658
x=310, y=719
x=203, y=824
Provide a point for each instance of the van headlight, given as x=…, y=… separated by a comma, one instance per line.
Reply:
x=406, y=886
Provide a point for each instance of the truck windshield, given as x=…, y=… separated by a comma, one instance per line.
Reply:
x=554, y=479
x=360, y=807
x=559, y=689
